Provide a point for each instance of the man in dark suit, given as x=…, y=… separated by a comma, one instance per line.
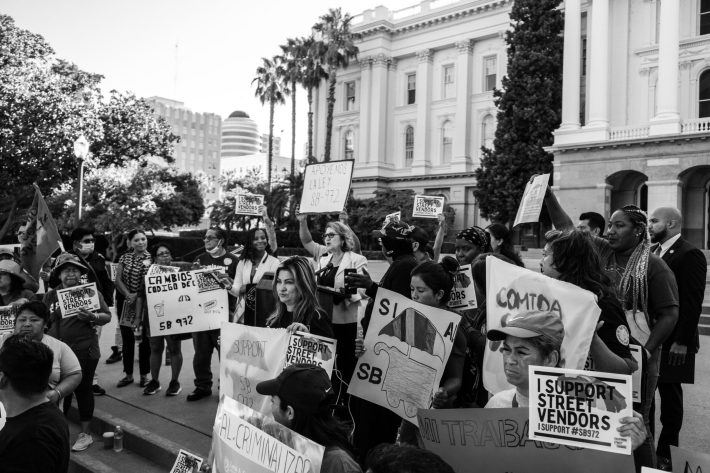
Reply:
x=678, y=353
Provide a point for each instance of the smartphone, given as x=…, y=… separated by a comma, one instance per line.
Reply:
x=348, y=289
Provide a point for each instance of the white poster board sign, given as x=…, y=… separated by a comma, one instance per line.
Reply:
x=249, y=355
x=326, y=186
x=407, y=346
x=533, y=200
x=161, y=269
x=514, y=290
x=427, y=206
x=393, y=217
x=73, y=299
x=579, y=408
x=311, y=349
x=463, y=294
x=7, y=319
x=248, y=204
x=185, y=302
x=637, y=375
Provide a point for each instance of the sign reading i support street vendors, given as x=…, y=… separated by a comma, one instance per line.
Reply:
x=463, y=294
x=533, y=199
x=311, y=349
x=7, y=318
x=326, y=186
x=579, y=408
x=407, y=346
x=248, y=204
x=427, y=206
x=185, y=302
x=73, y=299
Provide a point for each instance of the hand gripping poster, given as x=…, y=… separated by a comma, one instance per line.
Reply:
x=249, y=355
x=311, y=349
x=407, y=346
x=515, y=291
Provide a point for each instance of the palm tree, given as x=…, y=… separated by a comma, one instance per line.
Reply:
x=339, y=42
x=313, y=74
x=269, y=88
x=292, y=60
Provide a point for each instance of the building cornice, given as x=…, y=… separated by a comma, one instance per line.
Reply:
x=422, y=177
x=654, y=140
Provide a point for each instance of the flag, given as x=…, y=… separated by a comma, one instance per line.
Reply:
x=39, y=237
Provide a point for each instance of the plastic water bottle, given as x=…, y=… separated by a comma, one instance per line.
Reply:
x=118, y=439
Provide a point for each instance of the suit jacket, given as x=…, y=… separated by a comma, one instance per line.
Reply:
x=689, y=266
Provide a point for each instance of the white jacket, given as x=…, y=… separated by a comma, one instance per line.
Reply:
x=345, y=312
x=268, y=264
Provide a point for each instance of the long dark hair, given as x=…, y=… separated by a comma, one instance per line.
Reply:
x=506, y=248
x=249, y=252
x=575, y=257
x=438, y=276
x=307, y=306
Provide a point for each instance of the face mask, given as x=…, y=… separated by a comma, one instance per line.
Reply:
x=214, y=251
x=87, y=248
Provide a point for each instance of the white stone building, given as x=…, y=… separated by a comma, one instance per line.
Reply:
x=636, y=109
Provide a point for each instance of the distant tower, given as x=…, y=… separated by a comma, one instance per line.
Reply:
x=240, y=136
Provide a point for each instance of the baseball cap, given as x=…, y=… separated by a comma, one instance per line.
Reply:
x=528, y=325
x=395, y=231
x=301, y=386
x=68, y=258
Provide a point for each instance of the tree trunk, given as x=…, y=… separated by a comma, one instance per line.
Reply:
x=271, y=142
x=329, y=116
x=10, y=218
x=310, y=124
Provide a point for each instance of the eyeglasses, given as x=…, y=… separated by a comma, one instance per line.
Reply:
x=90, y=240
x=164, y=253
x=328, y=236
x=210, y=238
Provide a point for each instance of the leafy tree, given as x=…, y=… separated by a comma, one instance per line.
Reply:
x=269, y=88
x=338, y=48
x=529, y=108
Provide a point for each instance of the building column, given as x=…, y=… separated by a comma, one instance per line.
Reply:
x=363, y=150
x=461, y=160
x=599, y=71
x=667, y=119
x=571, y=66
x=666, y=193
x=378, y=122
x=422, y=132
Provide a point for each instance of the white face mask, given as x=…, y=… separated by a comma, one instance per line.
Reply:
x=214, y=251
x=87, y=248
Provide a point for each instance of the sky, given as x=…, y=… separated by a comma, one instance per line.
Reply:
x=220, y=44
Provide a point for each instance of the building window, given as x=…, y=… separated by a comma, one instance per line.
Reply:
x=349, y=96
x=447, y=141
x=488, y=132
x=489, y=73
x=583, y=82
x=704, y=17
x=704, y=95
x=349, y=143
x=411, y=88
x=409, y=146
x=448, y=82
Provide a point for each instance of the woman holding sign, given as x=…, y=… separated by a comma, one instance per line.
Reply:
x=78, y=330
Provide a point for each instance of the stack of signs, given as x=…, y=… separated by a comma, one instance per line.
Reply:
x=326, y=186
x=579, y=408
x=73, y=299
x=407, y=346
x=463, y=294
x=311, y=349
x=248, y=204
x=427, y=206
x=185, y=302
x=245, y=440
x=186, y=462
x=7, y=318
x=161, y=269
x=533, y=200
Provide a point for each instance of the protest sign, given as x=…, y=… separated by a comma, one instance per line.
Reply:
x=161, y=269
x=248, y=441
x=514, y=290
x=579, y=408
x=645, y=469
x=73, y=299
x=248, y=204
x=496, y=441
x=185, y=302
x=463, y=294
x=311, y=349
x=532, y=201
x=685, y=461
x=326, y=186
x=3, y=416
x=393, y=217
x=249, y=355
x=636, y=376
x=406, y=348
x=7, y=318
x=427, y=206
x=112, y=269
x=186, y=463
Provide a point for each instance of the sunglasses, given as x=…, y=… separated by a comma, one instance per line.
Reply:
x=164, y=253
x=327, y=236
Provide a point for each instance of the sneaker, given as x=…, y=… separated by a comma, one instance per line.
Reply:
x=125, y=381
x=152, y=388
x=144, y=381
x=82, y=442
x=116, y=356
x=198, y=394
x=174, y=388
x=98, y=390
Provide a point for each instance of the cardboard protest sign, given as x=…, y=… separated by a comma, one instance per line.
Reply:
x=427, y=206
x=685, y=461
x=514, y=290
x=186, y=463
x=112, y=269
x=579, y=408
x=248, y=204
x=407, y=346
x=248, y=441
x=73, y=299
x=326, y=186
x=7, y=318
x=637, y=375
x=645, y=469
x=311, y=349
x=161, y=269
x=185, y=302
x=533, y=200
x=463, y=294
x=249, y=355
x=496, y=441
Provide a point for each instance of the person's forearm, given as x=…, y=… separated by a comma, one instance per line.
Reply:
x=606, y=360
x=271, y=234
x=304, y=233
x=662, y=329
x=439, y=241
x=559, y=217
